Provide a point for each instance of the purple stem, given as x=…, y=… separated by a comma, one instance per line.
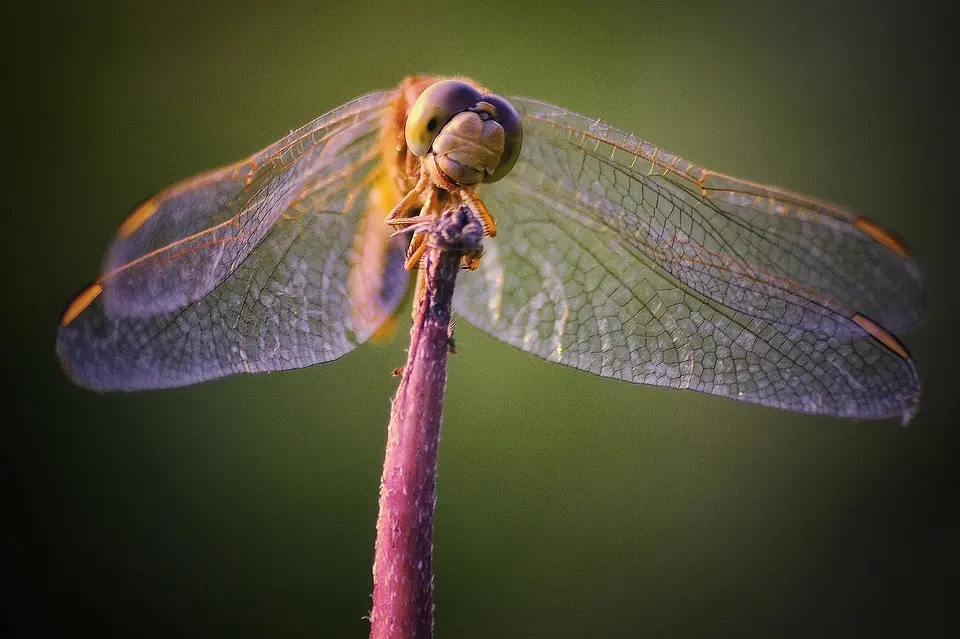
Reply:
x=402, y=568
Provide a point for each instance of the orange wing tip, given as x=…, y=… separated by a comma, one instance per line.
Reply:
x=136, y=219
x=882, y=335
x=80, y=303
x=882, y=235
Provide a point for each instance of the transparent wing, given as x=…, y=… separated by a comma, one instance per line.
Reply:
x=619, y=258
x=277, y=262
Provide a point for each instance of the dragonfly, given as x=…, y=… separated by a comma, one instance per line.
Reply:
x=610, y=255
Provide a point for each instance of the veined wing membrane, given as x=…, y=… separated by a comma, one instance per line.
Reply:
x=697, y=220
x=616, y=257
x=180, y=244
x=320, y=279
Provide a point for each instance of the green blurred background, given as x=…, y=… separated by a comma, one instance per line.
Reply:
x=569, y=505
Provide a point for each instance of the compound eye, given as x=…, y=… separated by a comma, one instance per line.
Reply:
x=508, y=118
x=433, y=109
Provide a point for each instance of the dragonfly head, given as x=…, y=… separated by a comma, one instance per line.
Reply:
x=473, y=137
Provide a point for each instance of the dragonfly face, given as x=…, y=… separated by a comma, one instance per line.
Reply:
x=458, y=138
x=611, y=255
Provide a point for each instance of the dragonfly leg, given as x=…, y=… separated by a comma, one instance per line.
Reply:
x=451, y=343
x=418, y=246
x=410, y=201
x=410, y=223
x=481, y=212
x=471, y=259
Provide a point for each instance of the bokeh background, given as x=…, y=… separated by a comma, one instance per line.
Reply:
x=569, y=505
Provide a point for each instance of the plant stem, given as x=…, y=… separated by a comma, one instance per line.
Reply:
x=402, y=568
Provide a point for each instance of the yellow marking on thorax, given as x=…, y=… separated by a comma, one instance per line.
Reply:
x=372, y=241
x=386, y=330
x=80, y=304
